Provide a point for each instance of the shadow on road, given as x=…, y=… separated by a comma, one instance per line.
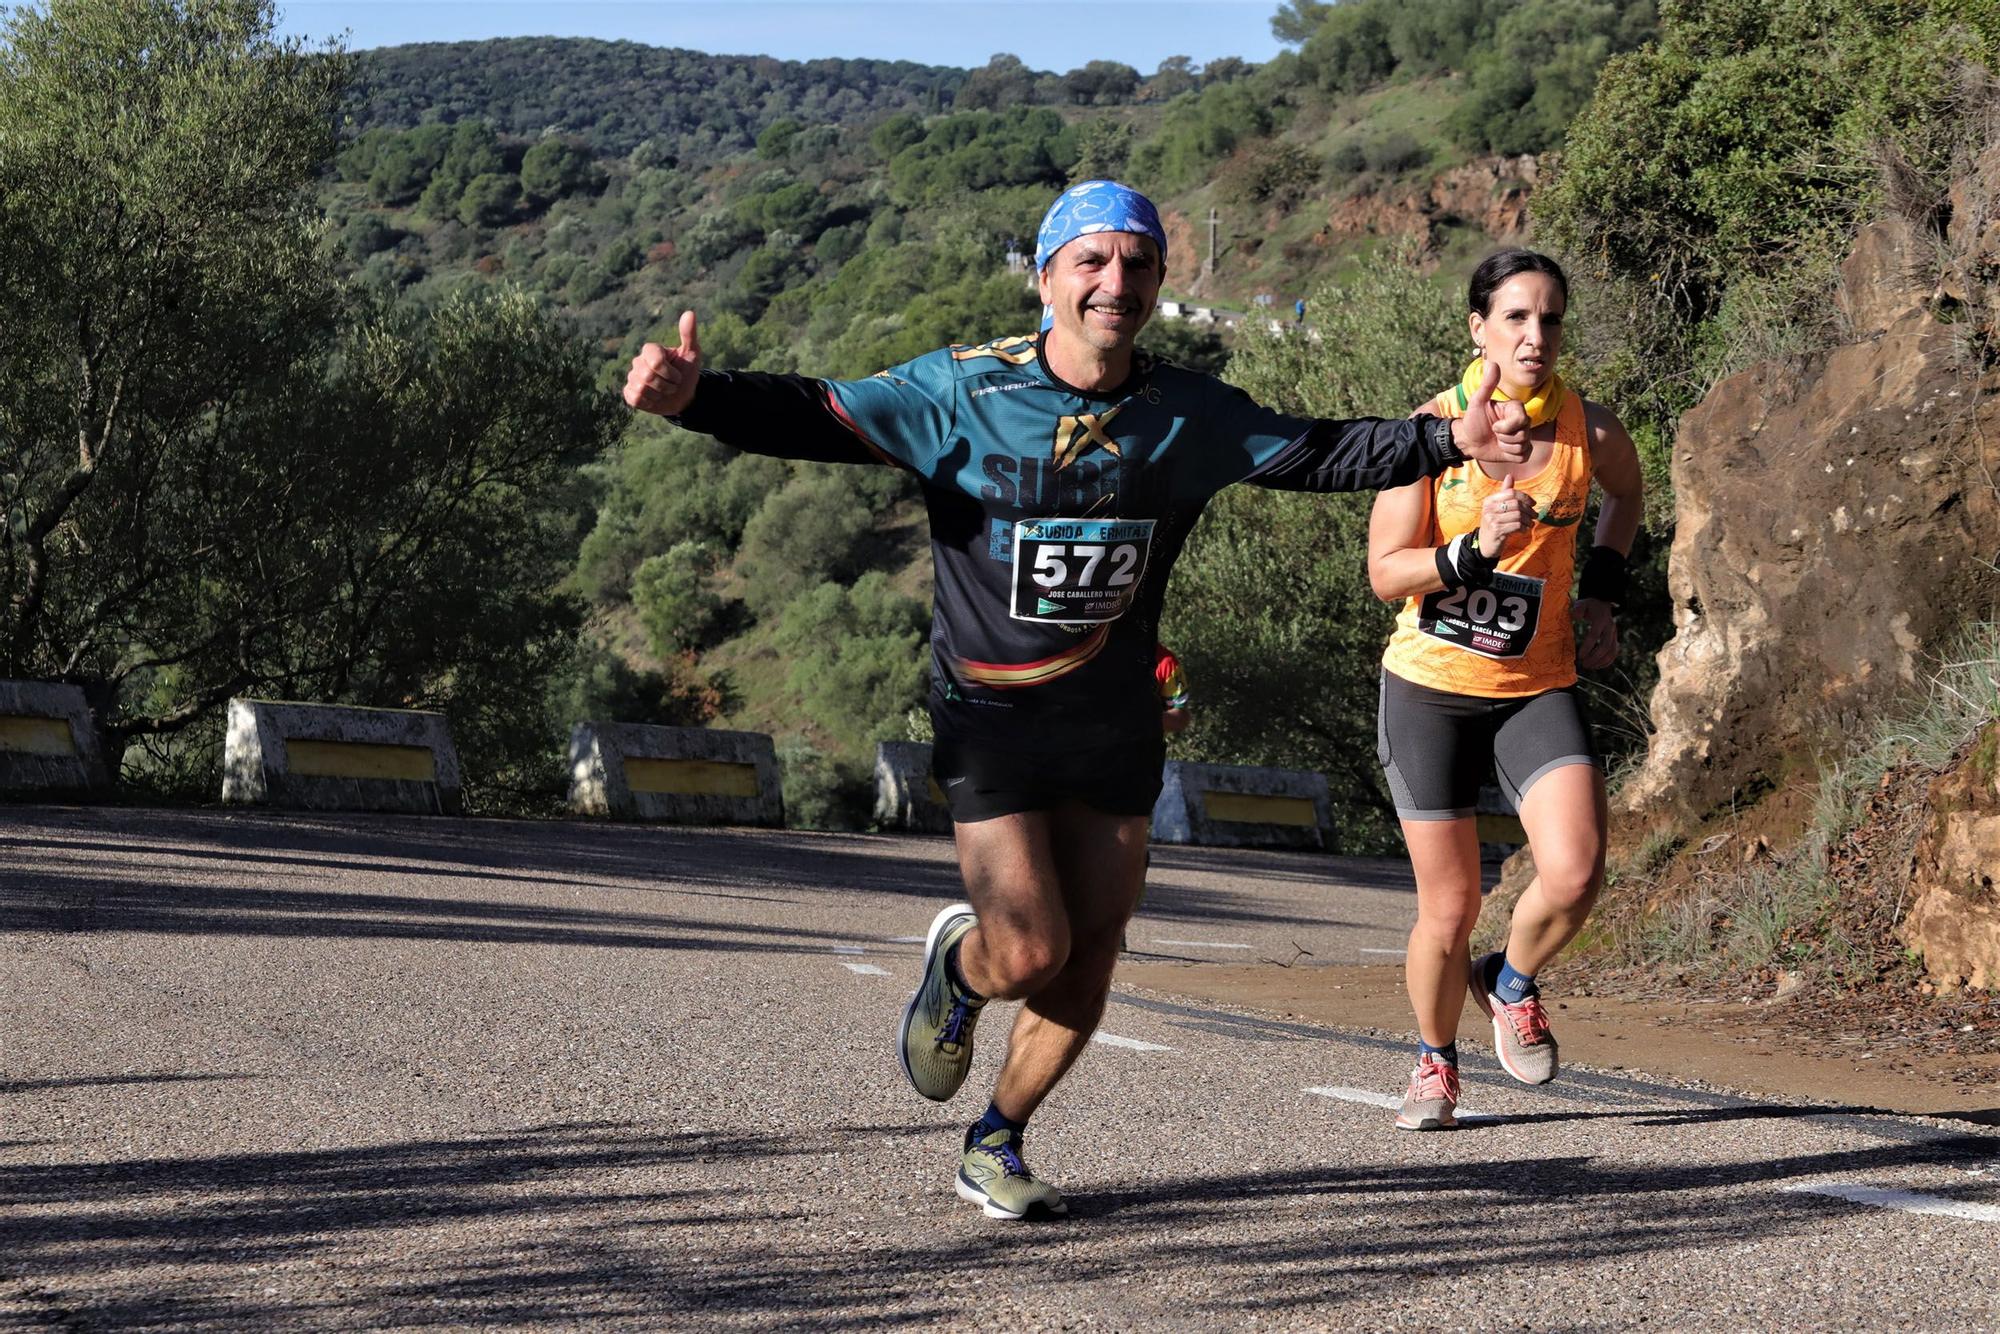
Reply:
x=592, y=1222
x=575, y=1221
x=258, y=873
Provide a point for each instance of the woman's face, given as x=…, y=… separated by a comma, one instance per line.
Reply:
x=1522, y=331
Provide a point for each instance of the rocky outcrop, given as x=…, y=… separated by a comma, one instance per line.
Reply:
x=1954, y=915
x=1833, y=526
x=1490, y=194
x=1187, y=248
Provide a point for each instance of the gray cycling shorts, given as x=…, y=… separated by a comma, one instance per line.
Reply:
x=1438, y=748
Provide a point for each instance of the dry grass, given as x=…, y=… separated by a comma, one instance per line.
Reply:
x=1714, y=908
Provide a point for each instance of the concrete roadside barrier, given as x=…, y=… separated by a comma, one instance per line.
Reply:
x=906, y=796
x=674, y=775
x=1242, y=806
x=47, y=744
x=332, y=757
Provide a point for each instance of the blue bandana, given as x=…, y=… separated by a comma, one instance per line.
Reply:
x=1095, y=206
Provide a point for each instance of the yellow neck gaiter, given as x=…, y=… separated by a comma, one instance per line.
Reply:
x=1542, y=407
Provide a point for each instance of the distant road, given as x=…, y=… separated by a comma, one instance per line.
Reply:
x=376, y=1072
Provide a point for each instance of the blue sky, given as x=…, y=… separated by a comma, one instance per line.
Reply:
x=1047, y=34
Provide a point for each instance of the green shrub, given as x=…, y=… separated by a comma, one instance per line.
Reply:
x=775, y=143
x=820, y=791
x=1393, y=152
x=671, y=594
x=594, y=684
x=557, y=168
x=667, y=486
x=490, y=200
x=1199, y=130
x=1270, y=172
x=815, y=528
x=978, y=150
x=857, y=656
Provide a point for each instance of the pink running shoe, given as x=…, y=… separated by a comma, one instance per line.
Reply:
x=1521, y=1036
x=1432, y=1102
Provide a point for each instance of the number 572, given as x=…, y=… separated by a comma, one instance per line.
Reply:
x=1052, y=571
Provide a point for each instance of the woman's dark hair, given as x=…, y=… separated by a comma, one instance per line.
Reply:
x=1498, y=268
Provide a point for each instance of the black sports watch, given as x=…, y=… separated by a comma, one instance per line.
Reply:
x=1442, y=443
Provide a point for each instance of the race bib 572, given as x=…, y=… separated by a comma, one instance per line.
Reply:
x=1078, y=571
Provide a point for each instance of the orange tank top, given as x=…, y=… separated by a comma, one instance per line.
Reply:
x=1512, y=638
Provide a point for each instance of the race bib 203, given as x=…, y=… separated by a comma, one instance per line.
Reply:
x=1495, y=622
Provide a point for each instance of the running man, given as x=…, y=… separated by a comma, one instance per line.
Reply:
x=1480, y=674
x=1063, y=472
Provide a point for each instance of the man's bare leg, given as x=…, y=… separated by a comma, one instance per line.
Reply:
x=1011, y=877
x=1100, y=863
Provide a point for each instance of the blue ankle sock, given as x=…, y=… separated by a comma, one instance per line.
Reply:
x=958, y=978
x=994, y=1119
x=1448, y=1053
x=1511, y=985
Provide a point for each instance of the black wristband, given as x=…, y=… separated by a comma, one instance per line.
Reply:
x=1606, y=576
x=1460, y=563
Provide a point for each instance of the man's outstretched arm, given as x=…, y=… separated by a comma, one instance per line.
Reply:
x=1375, y=454
x=786, y=416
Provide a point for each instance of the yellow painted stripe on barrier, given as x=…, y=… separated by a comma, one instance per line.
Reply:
x=24, y=735
x=359, y=759
x=936, y=792
x=1249, y=808
x=691, y=778
x=1501, y=829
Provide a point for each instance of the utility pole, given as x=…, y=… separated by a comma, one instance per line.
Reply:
x=1208, y=269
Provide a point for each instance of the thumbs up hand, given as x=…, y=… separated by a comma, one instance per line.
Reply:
x=663, y=379
x=1492, y=432
x=1505, y=513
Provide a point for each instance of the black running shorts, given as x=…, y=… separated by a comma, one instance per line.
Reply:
x=1438, y=748
x=981, y=784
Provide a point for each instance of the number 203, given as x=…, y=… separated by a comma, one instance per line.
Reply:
x=1481, y=606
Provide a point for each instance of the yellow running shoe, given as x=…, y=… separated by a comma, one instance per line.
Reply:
x=936, y=1035
x=992, y=1176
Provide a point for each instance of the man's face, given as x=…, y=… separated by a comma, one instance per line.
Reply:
x=1102, y=288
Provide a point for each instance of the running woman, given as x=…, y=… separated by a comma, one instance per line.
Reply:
x=1481, y=675
x=1063, y=472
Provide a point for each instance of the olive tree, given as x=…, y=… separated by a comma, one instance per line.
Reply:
x=220, y=471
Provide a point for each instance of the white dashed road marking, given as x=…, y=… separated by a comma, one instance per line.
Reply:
x=848, y=949
x=1129, y=1044
x=1394, y=1104
x=1398, y=953
x=1204, y=944
x=865, y=969
x=1907, y=1201
x=906, y=940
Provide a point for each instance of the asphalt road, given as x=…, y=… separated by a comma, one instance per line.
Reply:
x=276, y=1072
